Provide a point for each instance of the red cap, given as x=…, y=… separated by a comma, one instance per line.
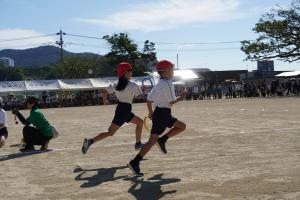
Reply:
x=164, y=65
x=123, y=67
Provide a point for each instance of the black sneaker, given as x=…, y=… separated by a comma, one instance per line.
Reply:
x=162, y=146
x=138, y=146
x=86, y=145
x=44, y=147
x=27, y=149
x=135, y=168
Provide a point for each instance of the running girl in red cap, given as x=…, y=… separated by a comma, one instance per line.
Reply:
x=125, y=91
x=163, y=97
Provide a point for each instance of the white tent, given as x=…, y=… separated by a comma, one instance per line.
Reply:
x=289, y=74
x=67, y=84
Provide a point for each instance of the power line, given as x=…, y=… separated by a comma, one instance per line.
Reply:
x=170, y=50
x=85, y=36
x=167, y=43
x=197, y=43
x=82, y=44
x=198, y=50
x=27, y=38
x=100, y=38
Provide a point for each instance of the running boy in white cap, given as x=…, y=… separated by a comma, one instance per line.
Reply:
x=163, y=97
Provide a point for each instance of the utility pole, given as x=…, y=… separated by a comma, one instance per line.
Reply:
x=60, y=44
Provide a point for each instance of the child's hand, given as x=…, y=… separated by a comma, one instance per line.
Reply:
x=15, y=111
x=182, y=96
x=150, y=115
x=144, y=89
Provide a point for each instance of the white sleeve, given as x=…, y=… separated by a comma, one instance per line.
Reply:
x=136, y=89
x=110, y=89
x=172, y=90
x=2, y=118
x=151, y=95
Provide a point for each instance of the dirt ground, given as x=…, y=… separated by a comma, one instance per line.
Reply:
x=232, y=149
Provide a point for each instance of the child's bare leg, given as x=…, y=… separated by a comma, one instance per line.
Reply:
x=134, y=164
x=146, y=148
x=178, y=127
x=139, y=127
x=111, y=131
x=88, y=142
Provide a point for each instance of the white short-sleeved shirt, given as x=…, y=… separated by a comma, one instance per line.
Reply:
x=125, y=96
x=162, y=94
x=3, y=118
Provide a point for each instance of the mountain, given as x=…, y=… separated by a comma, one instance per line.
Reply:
x=39, y=56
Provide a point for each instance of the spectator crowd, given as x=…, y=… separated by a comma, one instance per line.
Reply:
x=202, y=91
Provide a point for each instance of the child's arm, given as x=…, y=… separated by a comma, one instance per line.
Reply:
x=150, y=109
x=180, y=98
x=2, y=119
x=104, y=97
x=21, y=117
x=141, y=91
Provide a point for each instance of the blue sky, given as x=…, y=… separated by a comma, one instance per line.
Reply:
x=161, y=21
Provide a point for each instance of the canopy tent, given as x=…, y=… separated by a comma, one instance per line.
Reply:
x=289, y=74
x=67, y=84
x=180, y=76
x=184, y=74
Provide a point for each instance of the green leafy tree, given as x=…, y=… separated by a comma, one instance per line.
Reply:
x=81, y=67
x=279, y=35
x=148, y=55
x=124, y=49
x=11, y=73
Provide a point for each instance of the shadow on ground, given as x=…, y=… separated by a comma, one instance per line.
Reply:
x=150, y=189
x=103, y=175
x=21, y=155
x=141, y=188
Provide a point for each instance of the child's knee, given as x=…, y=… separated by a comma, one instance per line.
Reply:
x=111, y=132
x=183, y=126
x=152, y=140
x=140, y=122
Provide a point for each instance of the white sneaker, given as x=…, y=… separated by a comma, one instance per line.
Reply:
x=86, y=145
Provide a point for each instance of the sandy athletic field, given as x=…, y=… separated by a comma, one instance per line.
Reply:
x=232, y=149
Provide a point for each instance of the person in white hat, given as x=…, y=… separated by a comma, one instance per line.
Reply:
x=3, y=125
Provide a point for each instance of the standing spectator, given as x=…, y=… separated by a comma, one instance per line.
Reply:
x=195, y=92
x=268, y=89
x=219, y=91
x=203, y=93
x=214, y=92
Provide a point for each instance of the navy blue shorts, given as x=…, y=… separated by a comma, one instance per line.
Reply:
x=4, y=132
x=123, y=114
x=162, y=119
